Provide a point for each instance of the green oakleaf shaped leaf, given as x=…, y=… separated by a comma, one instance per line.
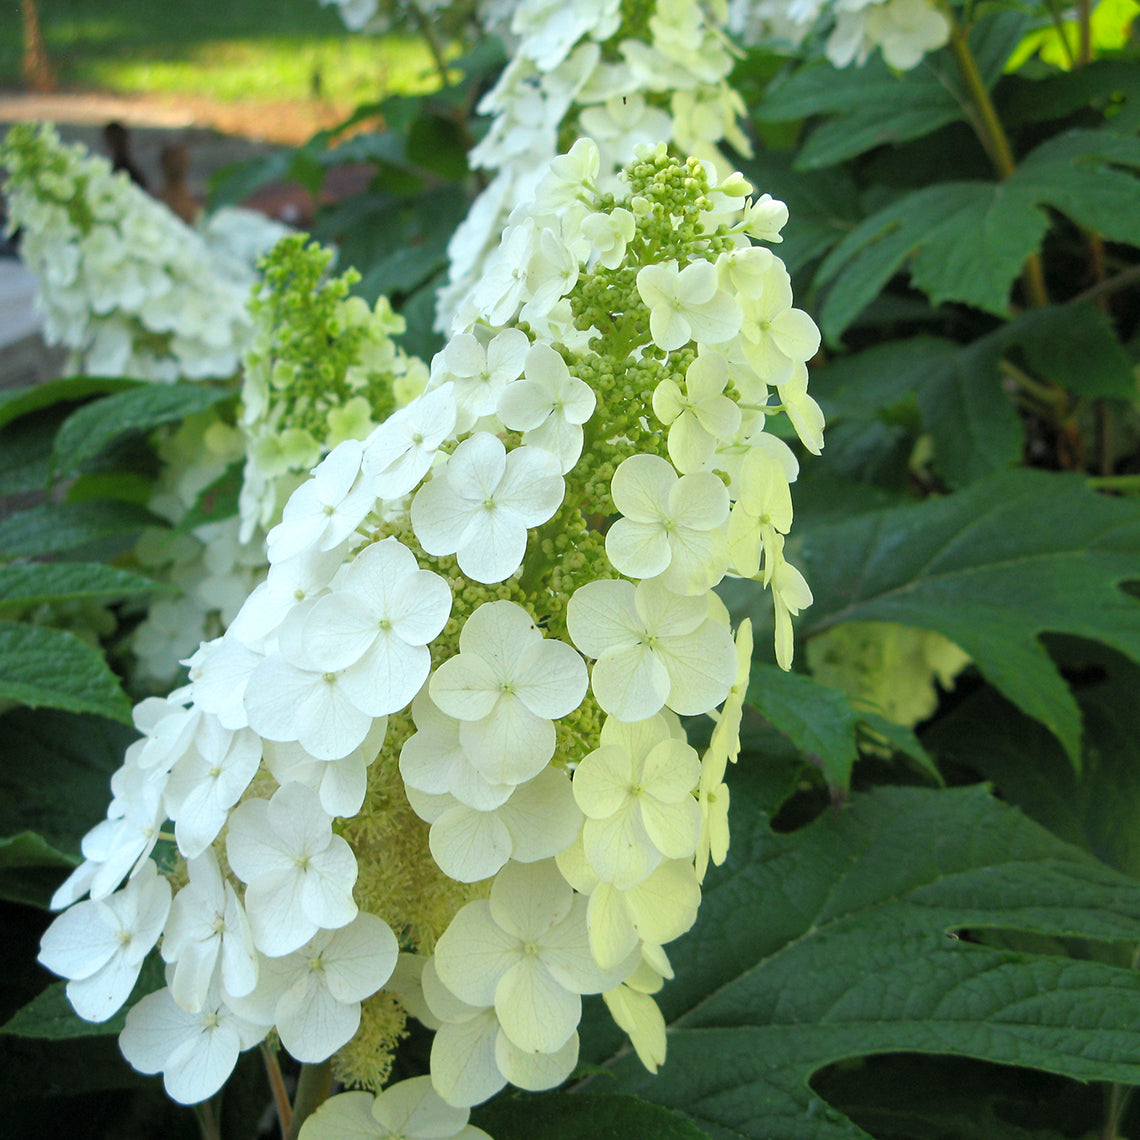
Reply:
x=842, y=940
x=991, y=567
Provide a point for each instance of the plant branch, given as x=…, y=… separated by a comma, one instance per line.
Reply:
x=987, y=126
x=277, y=1084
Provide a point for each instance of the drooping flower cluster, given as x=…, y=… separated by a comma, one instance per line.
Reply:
x=124, y=284
x=621, y=73
x=448, y=723
x=903, y=30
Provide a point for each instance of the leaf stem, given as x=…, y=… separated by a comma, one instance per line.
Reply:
x=434, y=46
x=987, y=126
x=313, y=1088
x=277, y=1084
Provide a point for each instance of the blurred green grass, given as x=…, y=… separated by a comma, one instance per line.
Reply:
x=231, y=51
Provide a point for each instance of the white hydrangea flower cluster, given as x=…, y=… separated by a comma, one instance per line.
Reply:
x=622, y=72
x=124, y=284
x=448, y=723
x=903, y=30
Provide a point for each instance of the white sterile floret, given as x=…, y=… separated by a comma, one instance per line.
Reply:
x=687, y=304
x=472, y=1058
x=802, y=410
x=776, y=336
x=636, y=789
x=655, y=911
x=399, y=453
x=288, y=702
x=323, y=512
x=299, y=875
x=208, y=933
x=671, y=528
x=761, y=513
x=432, y=760
x=764, y=218
x=100, y=944
x=533, y=961
x=507, y=685
x=700, y=416
x=651, y=648
x=376, y=625
x=481, y=504
x=195, y=1050
x=479, y=372
x=207, y=781
x=608, y=235
x=313, y=995
x=340, y=784
x=570, y=176
x=790, y=594
x=549, y=405
x=408, y=1110
x=538, y=821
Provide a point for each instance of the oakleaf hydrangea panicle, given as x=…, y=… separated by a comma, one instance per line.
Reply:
x=448, y=723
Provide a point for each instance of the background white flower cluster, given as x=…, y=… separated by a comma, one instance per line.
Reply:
x=450, y=628
x=621, y=74
x=127, y=286
x=902, y=30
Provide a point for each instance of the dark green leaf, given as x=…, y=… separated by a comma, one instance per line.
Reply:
x=564, y=1116
x=1095, y=84
x=973, y=424
x=872, y=106
x=30, y=584
x=991, y=568
x=819, y=720
x=1096, y=808
x=53, y=527
x=50, y=1014
x=40, y=666
x=31, y=869
x=45, y=751
x=93, y=427
x=1074, y=346
x=832, y=942
x=967, y=241
x=20, y=401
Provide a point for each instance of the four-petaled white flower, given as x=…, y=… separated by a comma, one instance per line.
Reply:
x=299, y=875
x=399, y=453
x=376, y=625
x=195, y=1050
x=479, y=372
x=507, y=685
x=687, y=304
x=651, y=648
x=671, y=528
x=100, y=944
x=313, y=995
x=525, y=951
x=636, y=789
x=323, y=512
x=549, y=405
x=481, y=504
x=207, y=932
